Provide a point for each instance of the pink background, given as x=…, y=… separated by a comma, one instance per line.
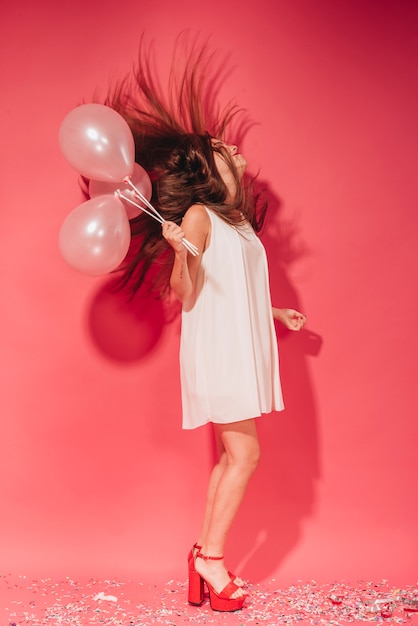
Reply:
x=96, y=475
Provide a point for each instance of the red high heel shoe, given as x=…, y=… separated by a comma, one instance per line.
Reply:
x=196, y=593
x=232, y=576
x=191, y=553
x=218, y=601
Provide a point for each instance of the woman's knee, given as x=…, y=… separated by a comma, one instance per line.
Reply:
x=241, y=446
x=248, y=458
x=254, y=457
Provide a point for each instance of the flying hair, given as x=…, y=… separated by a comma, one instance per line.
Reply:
x=173, y=131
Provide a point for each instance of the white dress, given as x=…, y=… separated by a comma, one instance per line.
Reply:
x=229, y=362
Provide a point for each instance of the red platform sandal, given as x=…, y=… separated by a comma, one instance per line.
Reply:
x=218, y=601
x=196, y=593
x=232, y=576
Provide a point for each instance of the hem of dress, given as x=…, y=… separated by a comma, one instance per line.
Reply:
x=242, y=419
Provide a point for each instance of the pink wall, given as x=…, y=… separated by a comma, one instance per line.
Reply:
x=96, y=475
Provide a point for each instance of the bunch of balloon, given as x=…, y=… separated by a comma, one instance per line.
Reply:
x=98, y=143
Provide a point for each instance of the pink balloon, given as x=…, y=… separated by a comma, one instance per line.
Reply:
x=98, y=142
x=139, y=178
x=94, y=238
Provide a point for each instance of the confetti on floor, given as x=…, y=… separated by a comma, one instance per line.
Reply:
x=25, y=601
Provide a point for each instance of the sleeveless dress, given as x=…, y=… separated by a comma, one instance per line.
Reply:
x=229, y=363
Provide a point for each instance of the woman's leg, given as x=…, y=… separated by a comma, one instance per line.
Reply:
x=213, y=483
x=229, y=482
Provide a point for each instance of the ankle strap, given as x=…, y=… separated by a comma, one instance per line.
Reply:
x=208, y=558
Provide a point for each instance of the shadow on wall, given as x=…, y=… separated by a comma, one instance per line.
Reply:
x=123, y=329
x=282, y=492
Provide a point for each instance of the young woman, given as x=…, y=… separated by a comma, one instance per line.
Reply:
x=228, y=352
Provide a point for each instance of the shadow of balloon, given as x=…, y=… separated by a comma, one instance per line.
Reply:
x=124, y=329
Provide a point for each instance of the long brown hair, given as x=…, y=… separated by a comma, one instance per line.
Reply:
x=173, y=134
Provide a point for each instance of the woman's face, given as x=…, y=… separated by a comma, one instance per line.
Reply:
x=222, y=165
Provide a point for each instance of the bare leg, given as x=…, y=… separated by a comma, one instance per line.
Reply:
x=227, y=488
x=213, y=483
x=215, y=476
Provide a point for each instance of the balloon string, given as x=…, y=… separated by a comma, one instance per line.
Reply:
x=191, y=247
x=138, y=206
x=187, y=244
x=143, y=198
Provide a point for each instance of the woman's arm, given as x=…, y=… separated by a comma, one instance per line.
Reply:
x=293, y=320
x=196, y=228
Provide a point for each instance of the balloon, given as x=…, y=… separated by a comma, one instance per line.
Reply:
x=139, y=178
x=97, y=142
x=95, y=236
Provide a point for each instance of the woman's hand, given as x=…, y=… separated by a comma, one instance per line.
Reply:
x=173, y=234
x=293, y=320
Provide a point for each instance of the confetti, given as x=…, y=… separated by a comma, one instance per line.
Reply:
x=67, y=602
x=102, y=596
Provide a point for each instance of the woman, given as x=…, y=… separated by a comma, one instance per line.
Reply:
x=228, y=352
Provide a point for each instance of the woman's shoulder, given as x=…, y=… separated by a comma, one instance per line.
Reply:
x=197, y=216
x=196, y=225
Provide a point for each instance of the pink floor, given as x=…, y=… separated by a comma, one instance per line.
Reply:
x=25, y=600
